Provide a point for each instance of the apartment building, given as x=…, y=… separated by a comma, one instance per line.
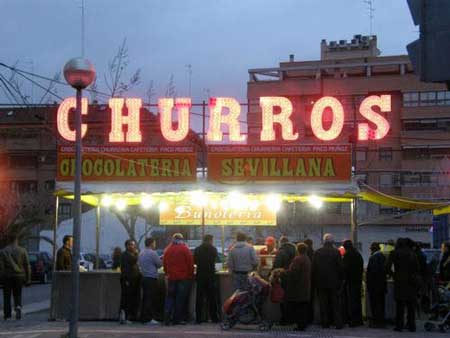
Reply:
x=413, y=160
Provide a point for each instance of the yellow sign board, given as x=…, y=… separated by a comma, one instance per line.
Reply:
x=185, y=213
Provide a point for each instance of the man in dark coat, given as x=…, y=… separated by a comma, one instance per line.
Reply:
x=283, y=259
x=298, y=287
x=353, y=273
x=205, y=256
x=14, y=273
x=405, y=273
x=64, y=255
x=328, y=279
x=130, y=281
x=310, y=254
x=376, y=285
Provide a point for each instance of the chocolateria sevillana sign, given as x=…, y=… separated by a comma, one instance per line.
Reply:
x=126, y=159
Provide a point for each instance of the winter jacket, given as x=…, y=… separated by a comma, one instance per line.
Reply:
x=353, y=264
x=64, y=259
x=178, y=261
x=129, y=267
x=376, y=273
x=14, y=263
x=242, y=258
x=284, y=256
x=405, y=273
x=327, y=268
x=298, y=280
x=205, y=257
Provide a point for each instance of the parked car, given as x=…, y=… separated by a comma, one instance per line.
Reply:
x=85, y=262
x=108, y=261
x=41, y=266
x=92, y=257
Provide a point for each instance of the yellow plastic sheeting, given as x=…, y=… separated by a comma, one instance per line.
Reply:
x=441, y=211
x=374, y=196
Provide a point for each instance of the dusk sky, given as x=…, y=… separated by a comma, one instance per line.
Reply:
x=221, y=39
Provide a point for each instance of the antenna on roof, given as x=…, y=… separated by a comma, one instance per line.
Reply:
x=371, y=11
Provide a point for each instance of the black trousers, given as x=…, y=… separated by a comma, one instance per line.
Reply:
x=149, y=290
x=377, y=306
x=410, y=314
x=353, y=304
x=329, y=307
x=130, y=297
x=12, y=286
x=206, y=295
x=298, y=313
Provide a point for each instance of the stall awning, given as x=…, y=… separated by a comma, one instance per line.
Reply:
x=370, y=194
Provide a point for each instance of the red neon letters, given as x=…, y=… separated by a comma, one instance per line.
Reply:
x=218, y=119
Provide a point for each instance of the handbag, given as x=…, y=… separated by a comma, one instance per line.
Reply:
x=277, y=293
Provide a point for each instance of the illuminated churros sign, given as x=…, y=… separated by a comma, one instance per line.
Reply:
x=126, y=128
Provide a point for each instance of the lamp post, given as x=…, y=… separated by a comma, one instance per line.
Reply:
x=79, y=73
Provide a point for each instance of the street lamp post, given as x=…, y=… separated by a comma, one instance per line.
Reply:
x=79, y=73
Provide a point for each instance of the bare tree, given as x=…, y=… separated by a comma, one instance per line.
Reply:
x=51, y=88
x=117, y=67
x=150, y=92
x=170, y=88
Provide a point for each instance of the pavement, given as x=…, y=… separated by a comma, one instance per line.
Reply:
x=36, y=325
x=35, y=298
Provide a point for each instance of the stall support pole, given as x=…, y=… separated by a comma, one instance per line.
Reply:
x=75, y=301
x=97, y=238
x=354, y=221
x=223, y=242
x=55, y=228
x=203, y=221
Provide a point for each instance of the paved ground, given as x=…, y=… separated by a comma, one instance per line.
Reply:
x=33, y=294
x=36, y=326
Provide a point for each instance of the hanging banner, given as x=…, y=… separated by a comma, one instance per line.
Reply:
x=185, y=213
x=128, y=163
x=303, y=163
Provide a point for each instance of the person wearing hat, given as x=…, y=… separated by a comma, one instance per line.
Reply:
x=376, y=285
x=267, y=262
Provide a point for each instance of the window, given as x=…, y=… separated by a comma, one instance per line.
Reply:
x=443, y=98
x=50, y=185
x=361, y=154
x=386, y=180
x=411, y=179
x=411, y=99
x=385, y=154
x=23, y=187
x=65, y=209
x=387, y=210
x=428, y=98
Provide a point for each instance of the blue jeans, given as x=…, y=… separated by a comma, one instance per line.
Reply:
x=176, y=304
x=240, y=281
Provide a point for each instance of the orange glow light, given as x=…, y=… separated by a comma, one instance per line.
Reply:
x=183, y=106
x=62, y=118
x=132, y=120
x=216, y=105
x=317, y=122
x=267, y=104
x=364, y=131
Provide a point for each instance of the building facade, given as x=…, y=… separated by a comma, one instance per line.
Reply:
x=413, y=160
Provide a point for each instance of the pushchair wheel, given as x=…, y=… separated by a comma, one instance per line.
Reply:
x=428, y=326
x=443, y=328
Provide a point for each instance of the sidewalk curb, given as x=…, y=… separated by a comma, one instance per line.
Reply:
x=33, y=307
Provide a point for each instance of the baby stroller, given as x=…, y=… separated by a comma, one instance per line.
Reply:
x=245, y=306
x=440, y=311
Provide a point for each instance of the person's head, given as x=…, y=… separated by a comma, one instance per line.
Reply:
x=208, y=239
x=308, y=242
x=249, y=240
x=401, y=243
x=445, y=248
x=270, y=243
x=328, y=239
x=284, y=240
x=12, y=238
x=302, y=248
x=177, y=238
x=117, y=251
x=68, y=241
x=241, y=237
x=374, y=247
x=130, y=245
x=348, y=244
x=150, y=243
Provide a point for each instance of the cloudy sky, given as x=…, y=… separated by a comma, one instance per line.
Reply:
x=221, y=39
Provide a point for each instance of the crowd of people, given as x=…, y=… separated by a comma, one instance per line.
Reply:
x=330, y=277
